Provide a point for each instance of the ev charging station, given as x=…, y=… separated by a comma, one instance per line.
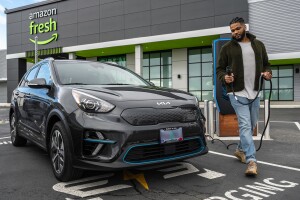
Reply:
x=226, y=119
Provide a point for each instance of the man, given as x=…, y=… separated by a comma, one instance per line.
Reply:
x=247, y=58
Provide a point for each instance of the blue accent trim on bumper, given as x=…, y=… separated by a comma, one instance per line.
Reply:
x=100, y=141
x=166, y=158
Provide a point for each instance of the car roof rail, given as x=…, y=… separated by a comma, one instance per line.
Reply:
x=111, y=62
x=49, y=58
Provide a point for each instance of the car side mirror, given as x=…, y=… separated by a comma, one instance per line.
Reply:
x=38, y=83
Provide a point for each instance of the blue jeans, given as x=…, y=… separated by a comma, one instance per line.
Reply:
x=247, y=117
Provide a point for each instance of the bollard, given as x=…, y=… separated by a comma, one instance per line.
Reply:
x=205, y=110
x=211, y=118
x=267, y=133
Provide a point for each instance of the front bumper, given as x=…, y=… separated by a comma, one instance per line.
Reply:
x=121, y=164
x=128, y=146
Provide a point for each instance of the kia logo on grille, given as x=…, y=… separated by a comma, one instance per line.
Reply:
x=163, y=103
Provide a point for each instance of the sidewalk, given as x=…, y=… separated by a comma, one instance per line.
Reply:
x=4, y=105
x=274, y=104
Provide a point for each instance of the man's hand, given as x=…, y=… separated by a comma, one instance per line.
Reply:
x=267, y=75
x=229, y=79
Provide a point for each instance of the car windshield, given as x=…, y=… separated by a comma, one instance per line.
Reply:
x=93, y=73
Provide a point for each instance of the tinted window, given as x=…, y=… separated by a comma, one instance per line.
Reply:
x=44, y=72
x=30, y=76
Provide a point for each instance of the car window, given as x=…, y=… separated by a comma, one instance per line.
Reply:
x=31, y=75
x=44, y=72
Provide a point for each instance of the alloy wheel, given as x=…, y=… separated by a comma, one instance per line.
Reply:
x=13, y=131
x=57, y=151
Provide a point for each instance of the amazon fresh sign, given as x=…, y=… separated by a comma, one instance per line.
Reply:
x=46, y=27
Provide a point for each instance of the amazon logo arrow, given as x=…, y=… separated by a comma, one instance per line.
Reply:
x=54, y=37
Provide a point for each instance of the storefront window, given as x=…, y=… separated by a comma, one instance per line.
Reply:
x=119, y=59
x=157, y=68
x=282, y=84
x=200, y=81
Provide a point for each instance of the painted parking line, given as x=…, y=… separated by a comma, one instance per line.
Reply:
x=5, y=121
x=5, y=142
x=257, y=190
x=98, y=185
x=287, y=122
x=298, y=125
x=261, y=162
x=182, y=168
x=4, y=138
x=89, y=186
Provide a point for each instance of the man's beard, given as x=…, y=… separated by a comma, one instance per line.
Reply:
x=241, y=38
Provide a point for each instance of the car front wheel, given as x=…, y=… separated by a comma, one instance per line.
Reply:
x=16, y=140
x=60, y=154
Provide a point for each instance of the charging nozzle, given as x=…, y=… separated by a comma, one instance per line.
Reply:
x=228, y=71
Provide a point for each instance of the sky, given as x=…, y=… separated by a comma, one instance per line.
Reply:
x=9, y=4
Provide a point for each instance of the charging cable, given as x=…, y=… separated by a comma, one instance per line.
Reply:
x=228, y=71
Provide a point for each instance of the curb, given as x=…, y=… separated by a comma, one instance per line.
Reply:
x=4, y=105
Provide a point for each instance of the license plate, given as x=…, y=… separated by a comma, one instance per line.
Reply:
x=168, y=135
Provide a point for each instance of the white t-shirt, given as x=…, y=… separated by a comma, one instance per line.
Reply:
x=249, y=71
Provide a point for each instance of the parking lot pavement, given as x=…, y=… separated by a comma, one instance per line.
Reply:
x=25, y=173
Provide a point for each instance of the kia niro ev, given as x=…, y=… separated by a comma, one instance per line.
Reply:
x=100, y=116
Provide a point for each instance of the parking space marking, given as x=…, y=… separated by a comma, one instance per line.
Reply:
x=92, y=186
x=88, y=186
x=4, y=138
x=265, y=189
x=261, y=162
x=298, y=125
x=5, y=142
x=186, y=168
x=6, y=121
x=287, y=122
x=209, y=174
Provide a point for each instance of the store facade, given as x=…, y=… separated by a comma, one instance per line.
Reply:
x=167, y=42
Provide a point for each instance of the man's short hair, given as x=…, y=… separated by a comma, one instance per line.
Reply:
x=237, y=20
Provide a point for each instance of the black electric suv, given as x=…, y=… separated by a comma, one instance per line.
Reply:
x=100, y=116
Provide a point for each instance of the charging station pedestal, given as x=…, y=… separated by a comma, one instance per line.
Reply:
x=227, y=125
x=226, y=119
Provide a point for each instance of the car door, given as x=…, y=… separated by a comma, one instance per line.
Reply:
x=40, y=101
x=22, y=93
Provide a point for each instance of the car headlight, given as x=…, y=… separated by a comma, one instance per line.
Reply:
x=90, y=103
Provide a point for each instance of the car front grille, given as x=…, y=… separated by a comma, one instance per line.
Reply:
x=152, y=116
x=158, y=152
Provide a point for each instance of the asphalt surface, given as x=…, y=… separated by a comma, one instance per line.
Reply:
x=25, y=172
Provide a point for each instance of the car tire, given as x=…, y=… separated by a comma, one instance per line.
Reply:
x=61, y=154
x=16, y=140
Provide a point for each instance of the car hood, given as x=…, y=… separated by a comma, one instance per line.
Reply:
x=134, y=93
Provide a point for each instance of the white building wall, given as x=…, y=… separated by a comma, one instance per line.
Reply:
x=130, y=61
x=3, y=76
x=179, y=67
x=276, y=23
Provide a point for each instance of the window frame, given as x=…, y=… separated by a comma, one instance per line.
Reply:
x=278, y=77
x=201, y=76
x=160, y=65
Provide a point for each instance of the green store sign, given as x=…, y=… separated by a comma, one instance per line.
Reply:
x=46, y=27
